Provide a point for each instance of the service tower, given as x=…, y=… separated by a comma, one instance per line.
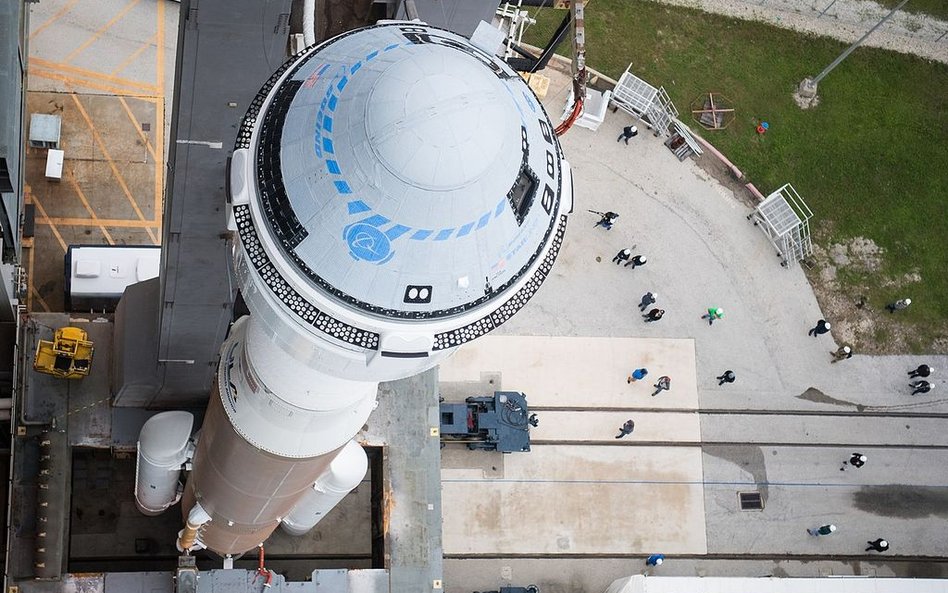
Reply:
x=395, y=192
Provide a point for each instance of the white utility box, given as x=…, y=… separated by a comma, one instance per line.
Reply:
x=54, y=164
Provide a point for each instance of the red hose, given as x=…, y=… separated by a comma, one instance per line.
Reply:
x=263, y=572
x=566, y=125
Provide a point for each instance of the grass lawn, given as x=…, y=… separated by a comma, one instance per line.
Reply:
x=871, y=160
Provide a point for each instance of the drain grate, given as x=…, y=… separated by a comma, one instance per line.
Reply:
x=751, y=501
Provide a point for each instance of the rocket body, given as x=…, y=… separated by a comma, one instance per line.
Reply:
x=395, y=193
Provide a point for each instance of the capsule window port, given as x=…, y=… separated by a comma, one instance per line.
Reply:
x=417, y=294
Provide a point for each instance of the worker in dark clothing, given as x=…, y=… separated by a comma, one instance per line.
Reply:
x=626, y=428
x=653, y=315
x=857, y=460
x=664, y=383
x=648, y=298
x=880, y=545
x=638, y=260
x=627, y=133
x=726, y=377
x=923, y=371
x=607, y=220
x=622, y=256
x=920, y=387
x=822, y=326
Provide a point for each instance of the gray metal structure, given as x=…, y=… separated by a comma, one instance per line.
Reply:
x=224, y=48
x=640, y=99
x=498, y=422
x=783, y=216
x=461, y=17
x=14, y=28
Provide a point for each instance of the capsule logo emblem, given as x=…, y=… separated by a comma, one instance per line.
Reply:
x=368, y=243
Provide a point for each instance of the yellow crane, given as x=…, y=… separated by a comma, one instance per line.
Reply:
x=68, y=356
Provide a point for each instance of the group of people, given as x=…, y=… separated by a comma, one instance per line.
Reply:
x=652, y=313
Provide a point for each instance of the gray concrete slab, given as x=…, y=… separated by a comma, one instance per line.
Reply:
x=592, y=575
x=578, y=499
x=579, y=371
x=832, y=430
x=406, y=423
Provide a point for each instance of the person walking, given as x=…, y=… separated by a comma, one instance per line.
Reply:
x=843, y=353
x=637, y=375
x=655, y=560
x=664, y=384
x=822, y=530
x=607, y=220
x=653, y=315
x=857, y=460
x=921, y=387
x=649, y=298
x=628, y=132
x=712, y=314
x=822, y=326
x=726, y=377
x=923, y=371
x=899, y=305
x=622, y=256
x=626, y=428
x=636, y=261
x=879, y=545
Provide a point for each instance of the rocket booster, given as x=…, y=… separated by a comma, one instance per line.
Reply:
x=395, y=193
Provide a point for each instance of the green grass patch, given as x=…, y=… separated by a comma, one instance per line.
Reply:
x=871, y=160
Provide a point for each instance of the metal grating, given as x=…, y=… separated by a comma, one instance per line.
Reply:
x=637, y=97
x=784, y=217
x=751, y=501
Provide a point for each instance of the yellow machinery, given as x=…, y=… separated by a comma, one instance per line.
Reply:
x=68, y=356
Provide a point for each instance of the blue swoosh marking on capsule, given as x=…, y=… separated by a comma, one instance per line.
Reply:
x=356, y=206
x=323, y=69
x=375, y=220
x=530, y=104
x=397, y=231
x=516, y=103
x=500, y=208
x=324, y=144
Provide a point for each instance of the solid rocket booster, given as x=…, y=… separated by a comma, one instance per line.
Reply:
x=395, y=193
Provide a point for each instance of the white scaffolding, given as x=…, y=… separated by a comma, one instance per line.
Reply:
x=783, y=216
x=640, y=99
